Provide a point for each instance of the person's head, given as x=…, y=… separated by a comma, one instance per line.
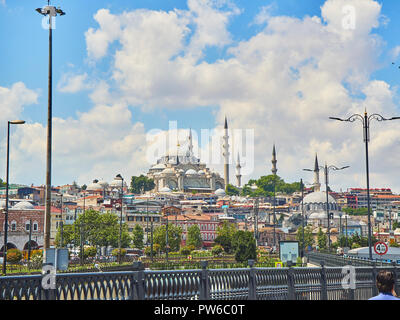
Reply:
x=385, y=281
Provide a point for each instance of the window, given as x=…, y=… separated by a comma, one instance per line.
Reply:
x=35, y=226
x=27, y=226
x=13, y=226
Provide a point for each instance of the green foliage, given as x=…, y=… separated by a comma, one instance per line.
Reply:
x=225, y=235
x=396, y=225
x=322, y=239
x=174, y=237
x=308, y=237
x=89, y=252
x=2, y=183
x=141, y=184
x=394, y=245
x=95, y=229
x=185, y=251
x=356, y=212
x=217, y=250
x=137, y=237
x=265, y=186
x=115, y=252
x=244, y=246
x=194, y=237
x=14, y=255
x=232, y=190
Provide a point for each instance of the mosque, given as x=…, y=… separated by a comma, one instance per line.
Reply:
x=184, y=172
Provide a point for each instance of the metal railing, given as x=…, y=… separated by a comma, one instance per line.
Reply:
x=337, y=261
x=317, y=283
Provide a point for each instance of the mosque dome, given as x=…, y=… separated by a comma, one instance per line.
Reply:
x=116, y=183
x=24, y=205
x=318, y=197
x=165, y=189
x=201, y=172
x=318, y=215
x=191, y=171
x=220, y=192
x=103, y=183
x=168, y=171
x=94, y=186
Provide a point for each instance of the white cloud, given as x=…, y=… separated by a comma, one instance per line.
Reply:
x=71, y=83
x=283, y=82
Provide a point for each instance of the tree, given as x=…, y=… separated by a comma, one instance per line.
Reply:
x=322, y=239
x=194, y=237
x=225, y=235
x=308, y=237
x=356, y=212
x=141, y=184
x=265, y=186
x=95, y=229
x=217, y=250
x=2, y=183
x=244, y=246
x=137, y=237
x=232, y=190
x=89, y=252
x=174, y=237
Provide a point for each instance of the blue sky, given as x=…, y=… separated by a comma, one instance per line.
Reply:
x=23, y=58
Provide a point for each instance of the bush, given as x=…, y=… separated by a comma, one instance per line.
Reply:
x=115, y=252
x=14, y=255
x=90, y=252
x=217, y=250
x=36, y=259
x=185, y=250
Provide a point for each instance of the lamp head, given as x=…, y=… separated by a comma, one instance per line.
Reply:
x=335, y=118
x=17, y=121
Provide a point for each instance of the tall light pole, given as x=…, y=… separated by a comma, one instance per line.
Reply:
x=119, y=177
x=50, y=11
x=9, y=123
x=274, y=170
x=326, y=169
x=302, y=216
x=366, y=120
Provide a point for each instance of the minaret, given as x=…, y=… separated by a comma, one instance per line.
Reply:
x=274, y=169
x=317, y=185
x=226, y=154
x=190, y=148
x=238, y=174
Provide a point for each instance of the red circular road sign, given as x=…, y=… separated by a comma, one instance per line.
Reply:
x=380, y=248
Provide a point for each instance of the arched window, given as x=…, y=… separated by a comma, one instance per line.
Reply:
x=35, y=226
x=27, y=226
x=13, y=225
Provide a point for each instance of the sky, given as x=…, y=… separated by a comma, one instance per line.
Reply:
x=126, y=72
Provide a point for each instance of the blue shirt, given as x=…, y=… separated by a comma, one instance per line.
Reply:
x=384, y=296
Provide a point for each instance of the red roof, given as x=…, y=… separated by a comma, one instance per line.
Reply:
x=53, y=209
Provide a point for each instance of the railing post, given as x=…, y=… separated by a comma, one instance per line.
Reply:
x=374, y=274
x=204, y=282
x=395, y=276
x=324, y=289
x=252, y=281
x=137, y=291
x=291, y=288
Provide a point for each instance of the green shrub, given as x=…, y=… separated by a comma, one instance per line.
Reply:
x=217, y=250
x=90, y=252
x=115, y=252
x=185, y=251
x=14, y=255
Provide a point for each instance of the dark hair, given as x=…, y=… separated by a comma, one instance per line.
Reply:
x=385, y=281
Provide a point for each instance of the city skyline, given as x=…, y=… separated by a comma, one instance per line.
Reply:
x=275, y=67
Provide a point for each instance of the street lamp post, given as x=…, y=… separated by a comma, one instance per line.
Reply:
x=62, y=224
x=366, y=120
x=119, y=177
x=9, y=123
x=326, y=169
x=51, y=11
x=302, y=216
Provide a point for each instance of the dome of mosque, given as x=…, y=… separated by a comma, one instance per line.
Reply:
x=24, y=205
x=165, y=189
x=168, y=171
x=220, y=192
x=318, y=197
x=95, y=185
x=191, y=171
